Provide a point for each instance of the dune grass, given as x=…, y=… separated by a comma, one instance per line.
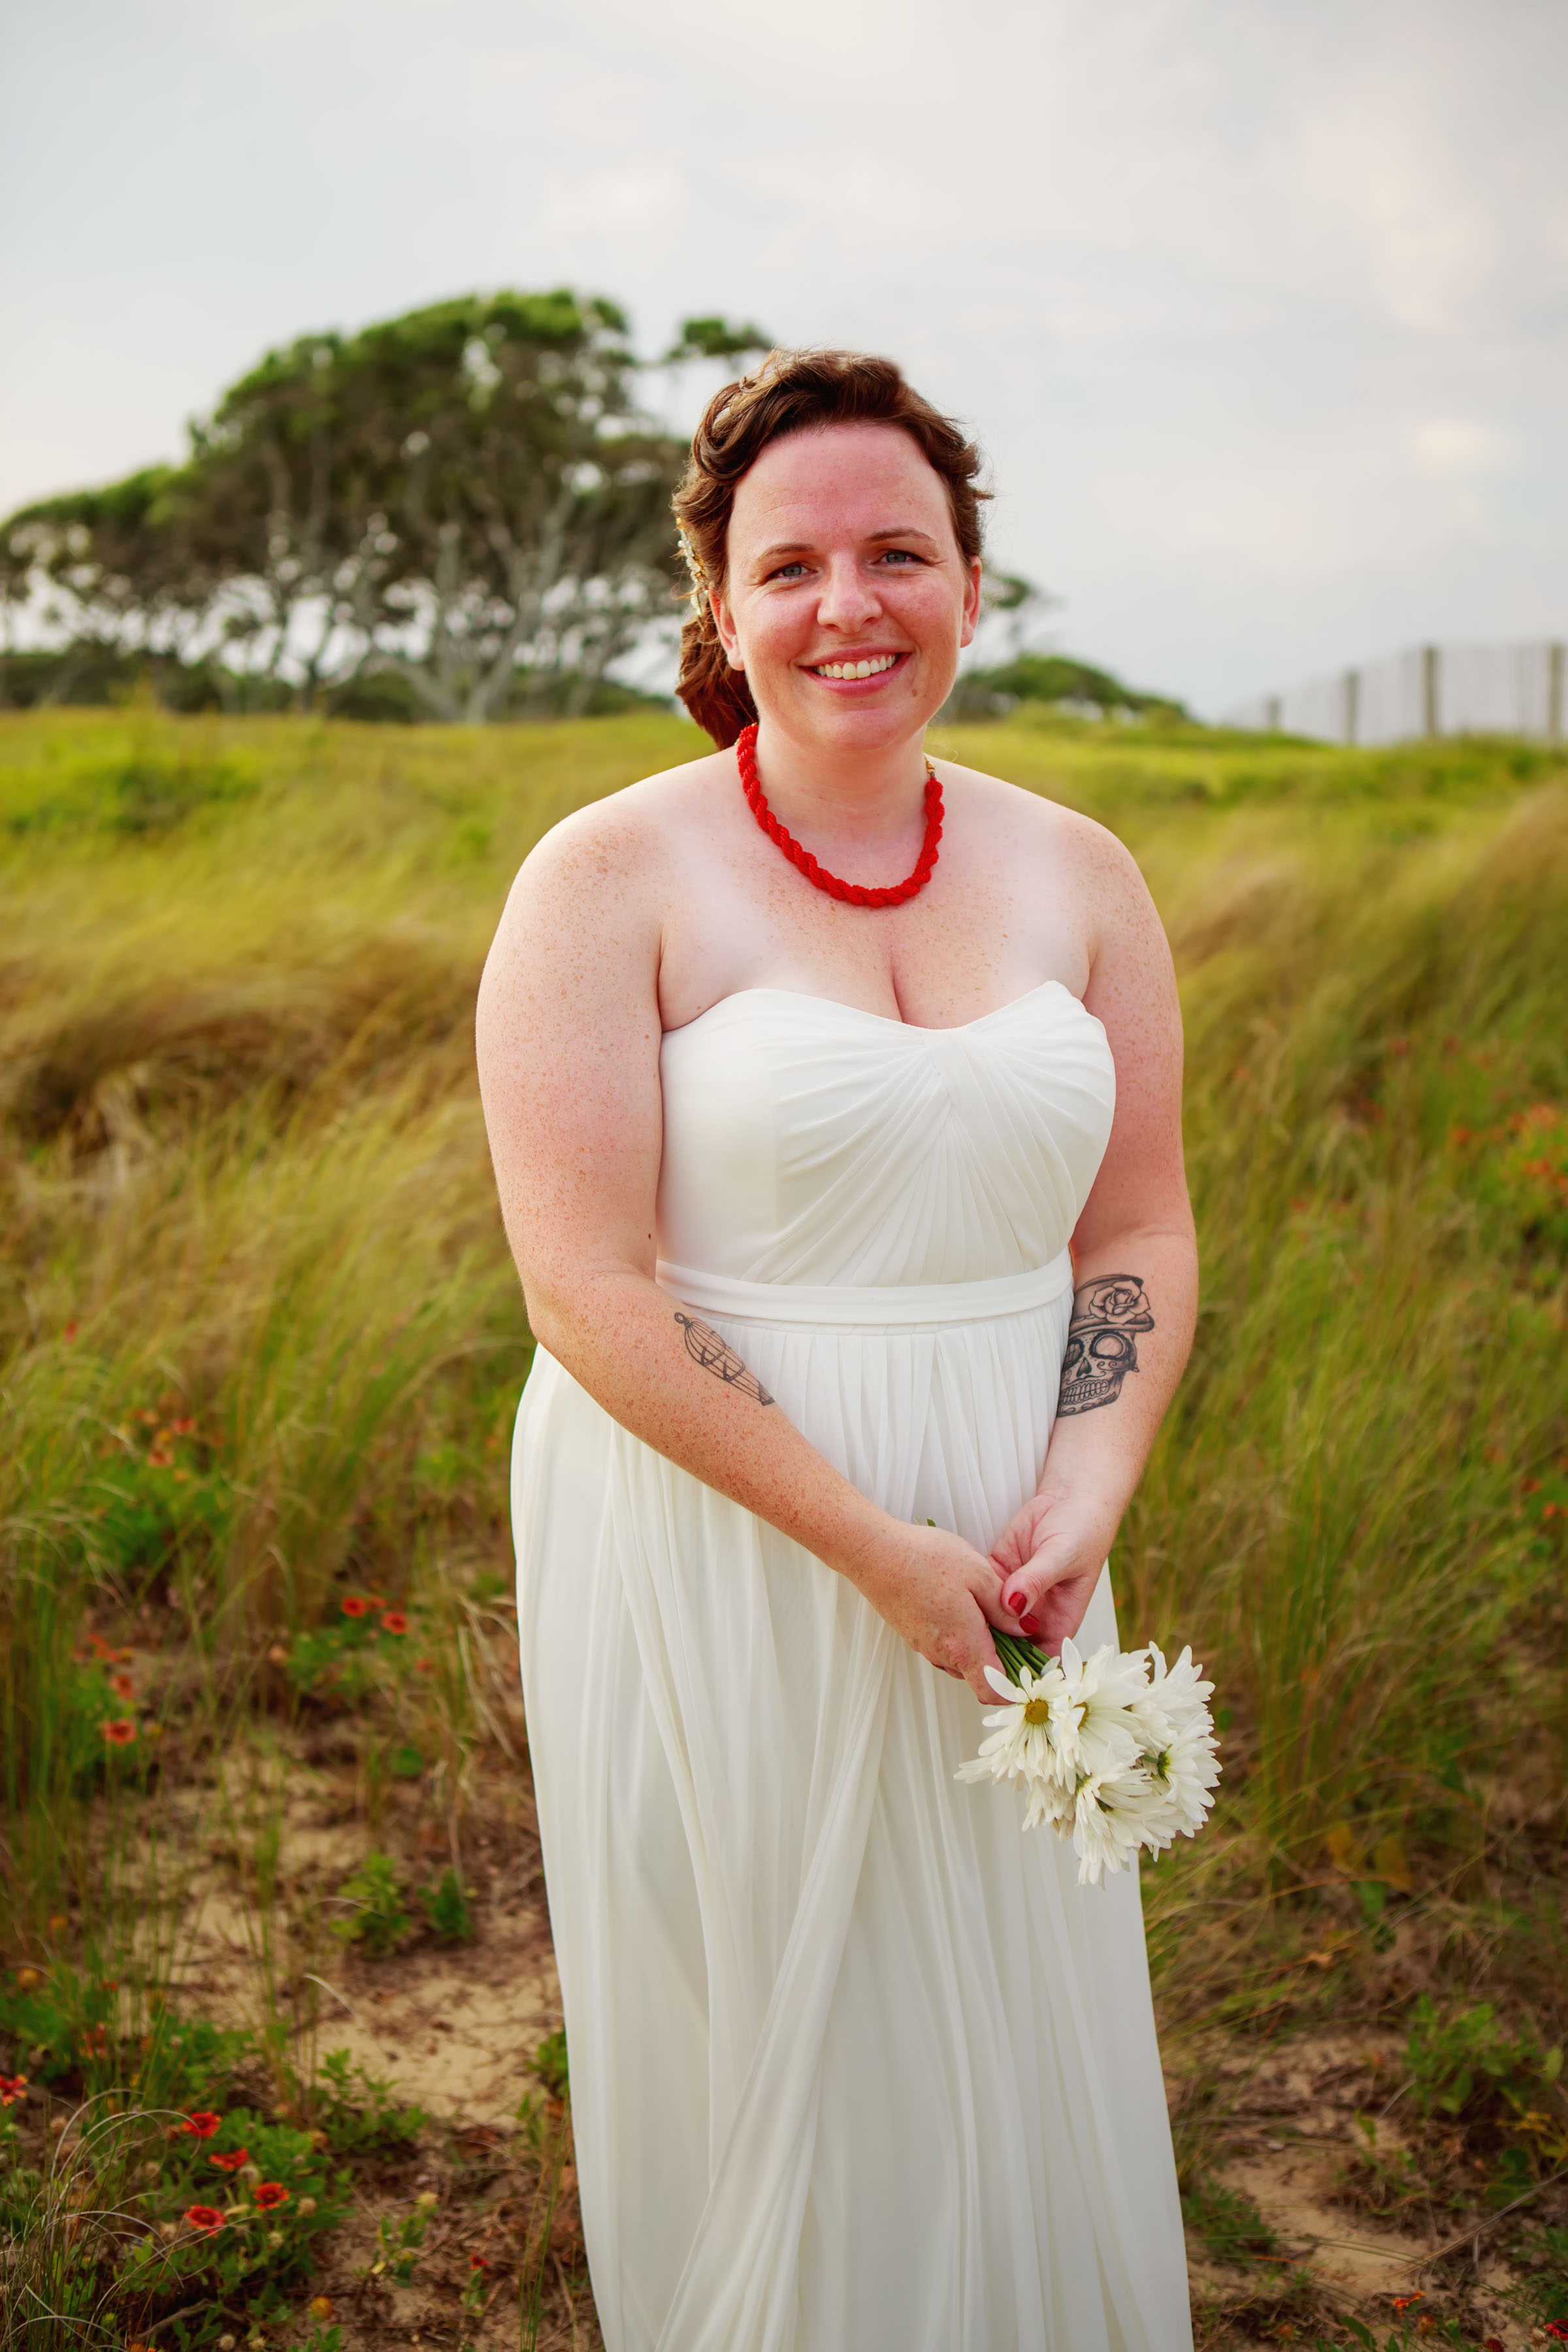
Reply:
x=261, y=1340
x=246, y=1188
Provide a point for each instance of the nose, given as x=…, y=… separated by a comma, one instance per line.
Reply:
x=847, y=599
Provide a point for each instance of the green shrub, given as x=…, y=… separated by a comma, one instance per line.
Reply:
x=377, y=1919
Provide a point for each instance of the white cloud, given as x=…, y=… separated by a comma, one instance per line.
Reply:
x=1260, y=308
x=1452, y=446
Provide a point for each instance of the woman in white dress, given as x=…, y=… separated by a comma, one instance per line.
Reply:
x=791, y=1152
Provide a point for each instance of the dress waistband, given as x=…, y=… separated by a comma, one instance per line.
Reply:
x=853, y=1306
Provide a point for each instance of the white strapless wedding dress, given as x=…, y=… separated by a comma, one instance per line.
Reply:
x=856, y=2065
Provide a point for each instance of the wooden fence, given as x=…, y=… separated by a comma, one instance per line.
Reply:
x=1519, y=690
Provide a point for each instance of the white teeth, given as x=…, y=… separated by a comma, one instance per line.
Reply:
x=856, y=669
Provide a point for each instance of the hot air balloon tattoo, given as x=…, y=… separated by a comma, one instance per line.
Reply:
x=716, y=1356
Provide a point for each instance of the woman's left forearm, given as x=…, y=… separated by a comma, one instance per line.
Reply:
x=1135, y=1306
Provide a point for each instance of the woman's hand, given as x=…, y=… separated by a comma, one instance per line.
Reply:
x=1048, y=1561
x=939, y=1595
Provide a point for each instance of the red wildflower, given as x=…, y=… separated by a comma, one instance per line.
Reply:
x=205, y=2218
x=203, y=2125
x=1407, y=2302
x=270, y=2195
x=478, y=2263
x=123, y=1686
x=71, y=1329
x=394, y=1622
x=232, y=2161
x=376, y=1599
x=356, y=1605
x=120, y=1733
x=1558, y=2333
x=183, y=1426
x=424, y=1666
x=12, y=2087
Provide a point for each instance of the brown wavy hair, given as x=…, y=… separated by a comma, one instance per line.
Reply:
x=791, y=392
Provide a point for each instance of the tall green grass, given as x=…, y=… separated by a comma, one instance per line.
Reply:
x=246, y=1191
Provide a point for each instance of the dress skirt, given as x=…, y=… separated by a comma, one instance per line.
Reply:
x=856, y=2066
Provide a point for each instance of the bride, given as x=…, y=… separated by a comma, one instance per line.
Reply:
x=804, y=1065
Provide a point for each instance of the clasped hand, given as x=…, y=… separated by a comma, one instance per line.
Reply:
x=942, y=1597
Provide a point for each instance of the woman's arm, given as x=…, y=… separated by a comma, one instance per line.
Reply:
x=569, y=1035
x=1135, y=1275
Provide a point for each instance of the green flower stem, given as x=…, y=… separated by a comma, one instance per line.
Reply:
x=1015, y=1653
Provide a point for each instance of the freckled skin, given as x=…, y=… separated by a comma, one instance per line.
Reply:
x=636, y=915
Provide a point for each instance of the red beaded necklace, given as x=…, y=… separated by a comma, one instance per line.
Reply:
x=853, y=894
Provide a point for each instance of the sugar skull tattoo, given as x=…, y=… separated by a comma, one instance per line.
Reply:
x=715, y=1354
x=1102, y=1342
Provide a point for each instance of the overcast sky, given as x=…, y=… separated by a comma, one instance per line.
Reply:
x=1260, y=307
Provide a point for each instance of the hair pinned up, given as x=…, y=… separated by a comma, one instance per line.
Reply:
x=791, y=392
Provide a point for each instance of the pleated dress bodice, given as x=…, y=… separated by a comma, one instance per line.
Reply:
x=810, y=1141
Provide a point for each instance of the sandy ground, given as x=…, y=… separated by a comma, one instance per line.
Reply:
x=454, y=2029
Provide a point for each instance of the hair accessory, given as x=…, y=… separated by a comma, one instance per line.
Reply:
x=853, y=894
x=695, y=570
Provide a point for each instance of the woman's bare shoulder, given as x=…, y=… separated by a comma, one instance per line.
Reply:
x=628, y=835
x=1034, y=825
x=613, y=865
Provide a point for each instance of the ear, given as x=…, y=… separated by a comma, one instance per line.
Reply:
x=971, y=601
x=724, y=622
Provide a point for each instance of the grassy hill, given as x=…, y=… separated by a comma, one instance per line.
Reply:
x=262, y=1341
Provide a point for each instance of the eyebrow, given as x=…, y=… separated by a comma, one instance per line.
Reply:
x=874, y=538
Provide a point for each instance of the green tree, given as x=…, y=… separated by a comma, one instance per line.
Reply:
x=101, y=572
x=468, y=499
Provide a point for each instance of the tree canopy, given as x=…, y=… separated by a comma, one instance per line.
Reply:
x=468, y=498
x=1054, y=678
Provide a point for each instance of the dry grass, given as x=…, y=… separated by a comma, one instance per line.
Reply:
x=262, y=1344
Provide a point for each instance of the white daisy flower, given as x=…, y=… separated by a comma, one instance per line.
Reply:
x=1192, y=1769
x=1179, y=1693
x=1105, y=1831
x=1094, y=1728
x=1050, y=1806
x=1020, y=1747
x=1116, y=1750
x=1184, y=1761
x=1145, y=1795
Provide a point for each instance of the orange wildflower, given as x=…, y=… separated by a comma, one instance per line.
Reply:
x=205, y=2217
x=231, y=2161
x=394, y=1622
x=203, y=2125
x=120, y=1732
x=270, y=2195
x=356, y=1605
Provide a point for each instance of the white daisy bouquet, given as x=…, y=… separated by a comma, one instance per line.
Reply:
x=1116, y=1751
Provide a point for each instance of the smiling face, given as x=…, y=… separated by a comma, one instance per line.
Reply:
x=846, y=598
